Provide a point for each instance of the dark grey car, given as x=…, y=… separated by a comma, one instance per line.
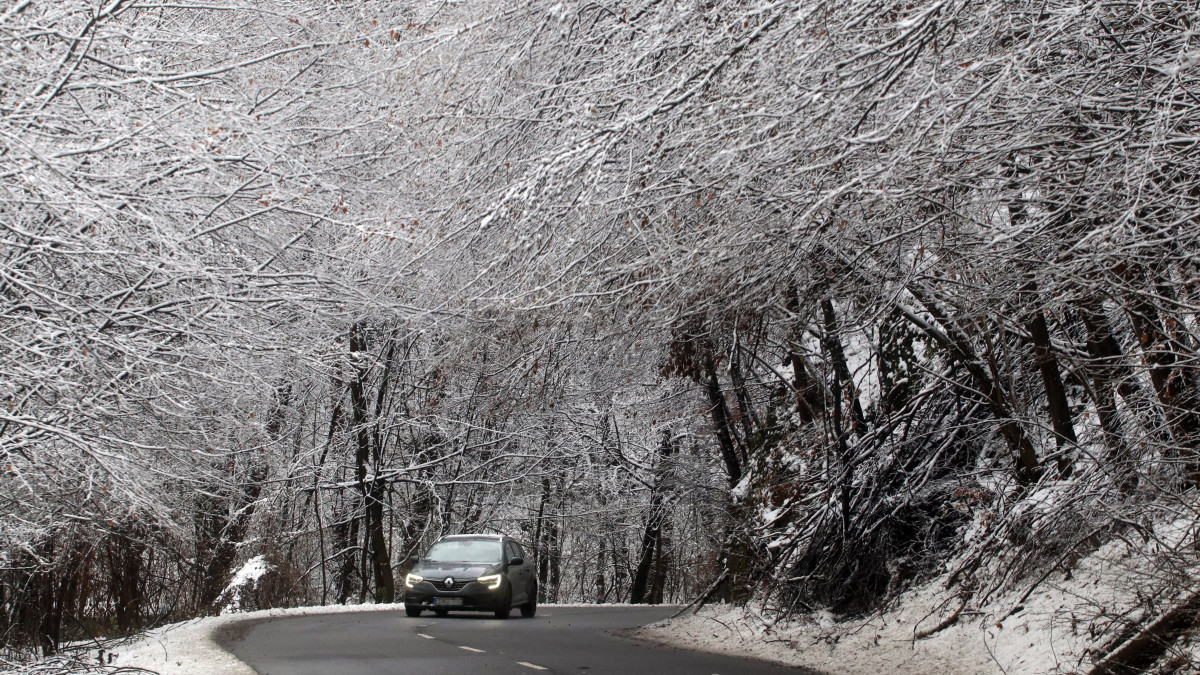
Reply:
x=472, y=573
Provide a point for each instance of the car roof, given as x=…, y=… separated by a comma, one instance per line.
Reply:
x=484, y=537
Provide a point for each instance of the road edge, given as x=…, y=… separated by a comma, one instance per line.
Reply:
x=638, y=636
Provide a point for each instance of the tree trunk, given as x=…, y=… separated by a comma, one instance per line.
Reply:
x=553, y=571
x=720, y=415
x=125, y=549
x=345, y=538
x=1108, y=373
x=1140, y=653
x=620, y=556
x=1056, y=397
x=373, y=495
x=36, y=609
x=808, y=394
x=652, y=535
x=1056, y=393
x=746, y=416
x=841, y=368
x=539, y=539
x=225, y=526
x=223, y=522
x=662, y=563
x=601, y=589
x=1028, y=468
x=842, y=378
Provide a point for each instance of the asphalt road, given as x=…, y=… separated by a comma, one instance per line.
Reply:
x=558, y=640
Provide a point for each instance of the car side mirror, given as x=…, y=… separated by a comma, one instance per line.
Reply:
x=517, y=561
x=413, y=560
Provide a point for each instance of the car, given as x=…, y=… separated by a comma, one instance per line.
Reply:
x=472, y=573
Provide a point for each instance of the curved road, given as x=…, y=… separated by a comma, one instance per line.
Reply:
x=559, y=640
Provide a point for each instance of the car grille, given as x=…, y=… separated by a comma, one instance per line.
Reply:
x=458, y=584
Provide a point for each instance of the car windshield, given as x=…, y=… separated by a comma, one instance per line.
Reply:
x=465, y=550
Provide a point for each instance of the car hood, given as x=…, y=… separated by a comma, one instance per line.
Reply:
x=458, y=570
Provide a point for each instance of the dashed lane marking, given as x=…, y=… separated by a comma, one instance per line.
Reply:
x=530, y=665
x=470, y=649
x=427, y=637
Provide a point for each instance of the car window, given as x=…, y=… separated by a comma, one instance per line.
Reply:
x=518, y=552
x=510, y=551
x=465, y=550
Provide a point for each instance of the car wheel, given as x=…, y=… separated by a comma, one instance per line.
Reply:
x=412, y=611
x=530, y=608
x=505, y=605
x=441, y=612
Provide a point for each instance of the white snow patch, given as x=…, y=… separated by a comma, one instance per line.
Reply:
x=190, y=647
x=247, y=576
x=1056, y=630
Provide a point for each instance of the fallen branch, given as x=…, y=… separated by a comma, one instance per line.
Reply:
x=945, y=623
x=703, y=598
x=1141, y=651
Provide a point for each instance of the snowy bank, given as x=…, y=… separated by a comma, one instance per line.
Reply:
x=1073, y=617
x=190, y=647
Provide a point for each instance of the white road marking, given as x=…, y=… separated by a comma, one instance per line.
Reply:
x=427, y=637
x=530, y=665
x=470, y=649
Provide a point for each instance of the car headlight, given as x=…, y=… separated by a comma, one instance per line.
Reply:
x=492, y=581
x=413, y=579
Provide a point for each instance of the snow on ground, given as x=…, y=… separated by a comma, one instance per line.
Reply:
x=1055, y=630
x=190, y=648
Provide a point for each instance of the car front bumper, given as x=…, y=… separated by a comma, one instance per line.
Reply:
x=474, y=597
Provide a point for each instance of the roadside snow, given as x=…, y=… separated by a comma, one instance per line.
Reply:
x=1060, y=628
x=190, y=648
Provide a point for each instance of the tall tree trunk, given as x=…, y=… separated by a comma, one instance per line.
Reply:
x=68, y=597
x=652, y=535
x=841, y=368
x=345, y=538
x=543, y=563
x=550, y=563
x=1109, y=374
x=601, y=589
x=719, y=410
x=808, y=395
x=1043, y=354
x=226, y=523
x=842, y=381
x=335, y=422
x=1056, y=393
x=36, y=609
x=662, y=563
x=223, y=522
x=746, y=416
x=620, y=558
x=125, y=549
x=376, y=548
